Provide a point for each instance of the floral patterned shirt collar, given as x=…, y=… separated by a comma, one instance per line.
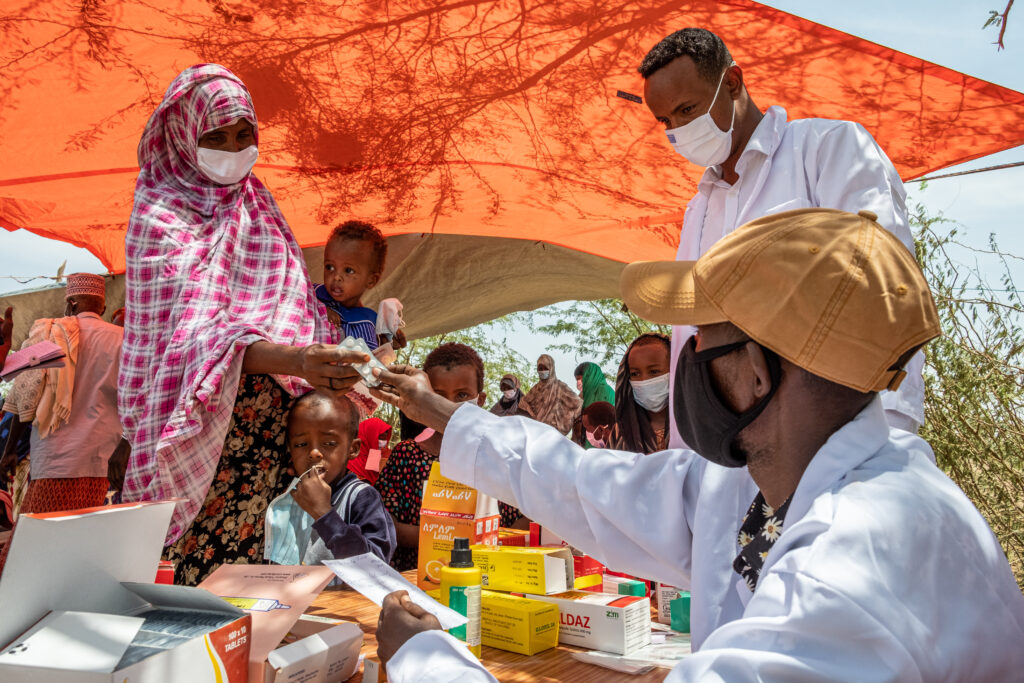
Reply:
x=762, y=526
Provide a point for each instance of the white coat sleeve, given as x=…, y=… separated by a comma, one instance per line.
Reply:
x=436, y=657
x=800, y=629
x=854, y=174
x=631, y=512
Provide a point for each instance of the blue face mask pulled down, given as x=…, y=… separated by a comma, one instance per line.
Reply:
x=288, y=529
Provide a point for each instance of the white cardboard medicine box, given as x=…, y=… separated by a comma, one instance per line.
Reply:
x=327, y=650
x=619, y=624
x=79, y=604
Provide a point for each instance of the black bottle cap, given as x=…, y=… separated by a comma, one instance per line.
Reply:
x=462, y=556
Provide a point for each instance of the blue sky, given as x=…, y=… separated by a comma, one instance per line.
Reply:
x=946, y=32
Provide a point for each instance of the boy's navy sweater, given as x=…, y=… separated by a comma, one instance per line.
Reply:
x=364, y=527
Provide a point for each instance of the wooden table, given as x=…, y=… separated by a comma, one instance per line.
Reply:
x=555, y=664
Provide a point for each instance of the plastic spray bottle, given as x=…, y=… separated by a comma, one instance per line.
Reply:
x=460, y=590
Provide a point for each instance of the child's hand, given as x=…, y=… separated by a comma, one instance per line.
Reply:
x=333, y=317
x=398, y=341
x=313, y=494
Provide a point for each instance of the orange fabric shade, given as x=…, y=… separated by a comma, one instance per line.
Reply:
x=490, y=119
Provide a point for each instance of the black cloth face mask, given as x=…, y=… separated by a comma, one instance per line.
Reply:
x=706, y=424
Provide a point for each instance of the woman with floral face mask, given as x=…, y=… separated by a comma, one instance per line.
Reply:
x=641, y=396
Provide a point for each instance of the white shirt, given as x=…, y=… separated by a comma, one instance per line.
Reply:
x=884, y=570
x=82, y=446
x=800, y=164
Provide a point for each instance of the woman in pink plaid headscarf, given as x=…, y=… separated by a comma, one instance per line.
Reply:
x=218, y=298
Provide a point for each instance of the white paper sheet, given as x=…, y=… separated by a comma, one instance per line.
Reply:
x=374, y=579
x=664, y=655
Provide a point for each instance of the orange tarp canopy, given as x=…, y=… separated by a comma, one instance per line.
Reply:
x=487, y=119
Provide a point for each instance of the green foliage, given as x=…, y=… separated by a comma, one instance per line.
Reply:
x=599, y=330
x=974, y=381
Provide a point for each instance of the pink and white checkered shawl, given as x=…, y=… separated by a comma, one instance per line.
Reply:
x=210, y=270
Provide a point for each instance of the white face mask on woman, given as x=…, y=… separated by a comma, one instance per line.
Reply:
x=651, y=394
x=226, y=168
x=543, y=374
x=701, y=141
x=509, y=394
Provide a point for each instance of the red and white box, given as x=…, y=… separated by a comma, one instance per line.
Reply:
x=619, y=624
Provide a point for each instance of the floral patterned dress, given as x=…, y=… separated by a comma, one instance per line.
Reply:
x=400, y=485
x=251, y=473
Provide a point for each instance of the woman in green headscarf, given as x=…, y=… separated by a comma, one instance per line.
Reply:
x=593, y=388
x=592, y=385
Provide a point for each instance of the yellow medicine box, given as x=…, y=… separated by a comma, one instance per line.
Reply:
x=525, y=570
x=516, y=624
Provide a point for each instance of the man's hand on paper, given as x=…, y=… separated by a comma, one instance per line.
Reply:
x=400, y=619
x=313, y=494
x=408, y=389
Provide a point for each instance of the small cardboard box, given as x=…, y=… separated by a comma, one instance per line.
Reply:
x=589, y=573
x=613, y=623
x=623, y=586
x=525, y=570
x=513, y=537
x=665, y=594
x=646, y=585
x=450, y=510
x=373, y=670
x=327, y=650
x=79, y=604
x=517, y=624
x=276, y=596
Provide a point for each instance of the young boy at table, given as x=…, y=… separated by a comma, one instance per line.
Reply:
x=328, y=513
x=456, y=373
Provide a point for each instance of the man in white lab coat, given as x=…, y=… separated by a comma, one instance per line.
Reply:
x=761, y=163
x=819, y=544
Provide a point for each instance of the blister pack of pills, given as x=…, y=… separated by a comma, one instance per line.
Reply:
x=365, y=370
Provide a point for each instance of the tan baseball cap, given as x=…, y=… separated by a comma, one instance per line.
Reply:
x=832, y=292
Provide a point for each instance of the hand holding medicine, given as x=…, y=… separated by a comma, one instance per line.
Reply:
x=329, y=368
x=408, y=388
x=400, y=619
x=312, y=493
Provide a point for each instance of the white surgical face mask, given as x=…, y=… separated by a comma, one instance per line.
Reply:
x=651, y=394
x=701, y=141
x=382, y=444
x=509, y=394
x=594, y=441
x=543, y=374
x=226, y=168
